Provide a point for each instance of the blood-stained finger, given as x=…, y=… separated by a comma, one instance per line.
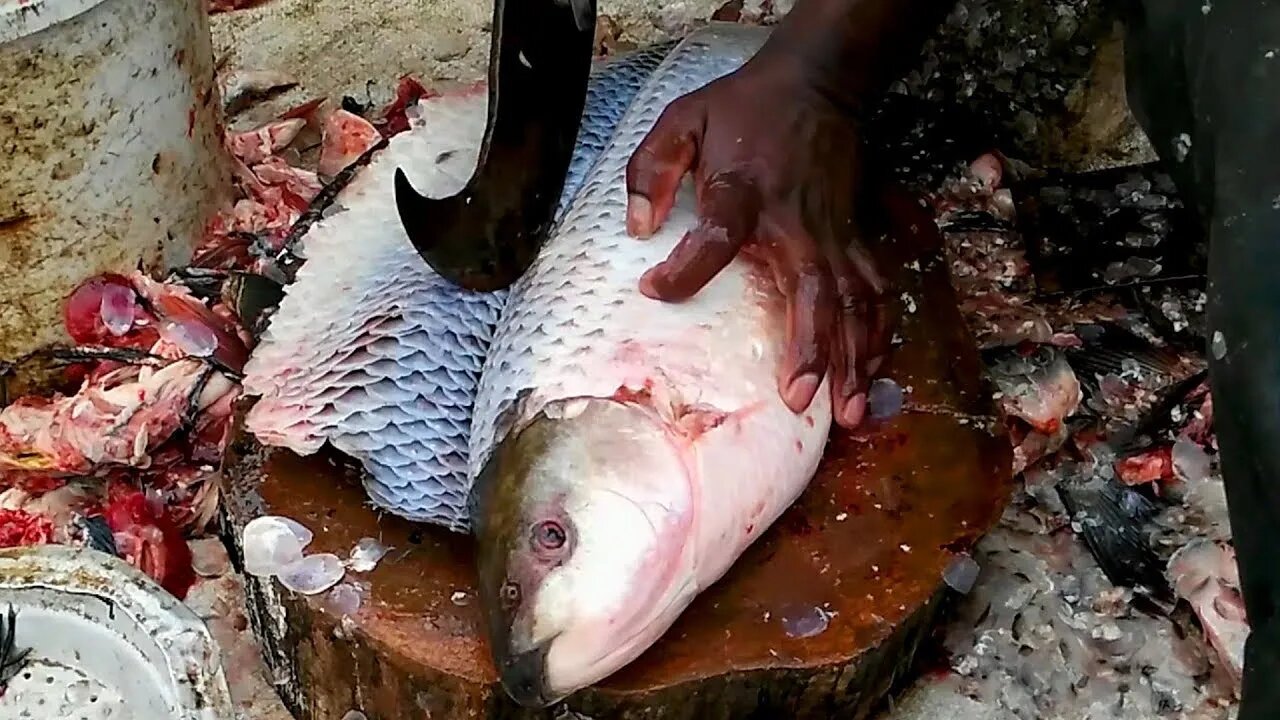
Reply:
x=730, y=208
x=849, y=342
x=656, y=167
x=811, y=309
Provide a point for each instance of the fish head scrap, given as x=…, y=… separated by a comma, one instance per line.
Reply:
x=584, y=521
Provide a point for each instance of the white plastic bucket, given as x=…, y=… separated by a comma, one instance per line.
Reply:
x=110, y=153
x=104, y=642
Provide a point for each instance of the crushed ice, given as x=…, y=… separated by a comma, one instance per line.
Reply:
x=806, y=622
x=884, y=399
x=313, y=574
x=366, y=555
x=961, y=574
x=272, y=543
x=345, y=599
x=273, y=547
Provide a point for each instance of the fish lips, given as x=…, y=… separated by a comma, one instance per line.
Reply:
x=521, y=665
x=508, y=583
x=524, y=674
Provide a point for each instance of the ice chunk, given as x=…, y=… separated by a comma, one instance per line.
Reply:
x=884, y=399
x=345, y=599
x=272, y=543
x=1191, y=463
x=1218, y=345
x=194, y=338
x=313, y=574
x=961, y=574
x=366, y=554
x=116, y=308
x=79, y=693
x=807, y=622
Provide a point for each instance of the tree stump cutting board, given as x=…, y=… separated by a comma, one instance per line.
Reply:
x=816, y=620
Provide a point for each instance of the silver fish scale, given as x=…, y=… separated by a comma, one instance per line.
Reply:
x=609, y=92
x=575, y=303
x=378, y=355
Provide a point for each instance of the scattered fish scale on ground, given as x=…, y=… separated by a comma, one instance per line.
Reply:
x=153, y=475
x=1119, y=536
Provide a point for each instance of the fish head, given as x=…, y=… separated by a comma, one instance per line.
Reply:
x=583, y=522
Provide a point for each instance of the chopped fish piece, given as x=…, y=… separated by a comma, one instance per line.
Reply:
x=119, y=419
x=1205, y=574
x=347, y=136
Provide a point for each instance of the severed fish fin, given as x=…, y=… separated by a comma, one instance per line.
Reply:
x=97, y=534
x=1110, y=517
x=1111, y=349
x=12, y=658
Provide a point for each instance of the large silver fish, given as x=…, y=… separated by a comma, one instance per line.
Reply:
x=624, y=452
x=627, y=451
x=371, y=350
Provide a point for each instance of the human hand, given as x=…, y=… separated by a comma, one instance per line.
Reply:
x=776, y=165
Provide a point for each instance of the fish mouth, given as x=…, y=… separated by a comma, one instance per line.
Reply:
x=524, y=677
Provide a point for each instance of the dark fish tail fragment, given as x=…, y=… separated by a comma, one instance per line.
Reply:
x=12, y=659
x=974, y=221
x=1106, y=229
x=97, y=534
x=192, y=412
x=1111, y=349
x=253, y=297
x=90, y=353
x=485, y=237
x=1110, y=518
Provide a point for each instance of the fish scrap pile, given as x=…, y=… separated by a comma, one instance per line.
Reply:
x=1110, y=587
x=126, y=458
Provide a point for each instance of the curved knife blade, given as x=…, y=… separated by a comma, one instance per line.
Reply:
x=485, y=237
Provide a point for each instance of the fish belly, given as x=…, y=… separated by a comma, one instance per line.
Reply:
x=576, y=326
x=374, y=353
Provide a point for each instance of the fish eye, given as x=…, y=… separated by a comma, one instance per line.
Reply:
x=549, y=535
x=510, y=595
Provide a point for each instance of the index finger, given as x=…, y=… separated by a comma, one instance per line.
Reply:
x=730, y=208
x=656, y=167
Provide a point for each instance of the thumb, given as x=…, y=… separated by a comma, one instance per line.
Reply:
x=656, y=167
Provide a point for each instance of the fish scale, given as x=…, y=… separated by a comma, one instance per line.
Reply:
x=626, y=450
x=561, y=321
x=374, y=353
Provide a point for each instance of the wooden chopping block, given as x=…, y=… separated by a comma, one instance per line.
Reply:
x=818, y=619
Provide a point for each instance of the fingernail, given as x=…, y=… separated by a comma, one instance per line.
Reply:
x=801, y=391
x=852, y=411
x=649, y=283
x=639, y=216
